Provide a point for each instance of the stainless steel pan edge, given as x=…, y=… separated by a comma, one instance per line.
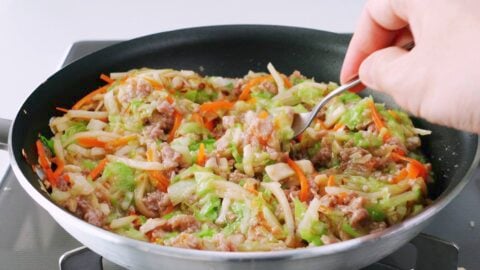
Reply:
x=135, y=254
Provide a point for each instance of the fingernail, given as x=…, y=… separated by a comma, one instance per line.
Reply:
x=364, y=72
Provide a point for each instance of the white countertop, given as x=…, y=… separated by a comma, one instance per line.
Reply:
x=37, y=34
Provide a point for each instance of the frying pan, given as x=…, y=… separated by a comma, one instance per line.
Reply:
x=228, y=51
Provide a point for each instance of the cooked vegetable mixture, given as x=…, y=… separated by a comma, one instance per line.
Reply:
x=182, y=160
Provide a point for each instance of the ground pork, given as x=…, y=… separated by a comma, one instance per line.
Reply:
x=227, y=243
x=156, y=201
x=329, y=239
x=62, y=183
x=323, y=155
x=170, y=158
x=161, y=122
x=236, y=176
x=270, y=87
x=228, y=121
x=413, y=142
x=155, y=131
x=185, y=240
x=355, y=210
x=135, y=89
x=89, y=213
x=178, y=223
x=257, y=129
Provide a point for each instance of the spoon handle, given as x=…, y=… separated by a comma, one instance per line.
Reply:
x=352, y=83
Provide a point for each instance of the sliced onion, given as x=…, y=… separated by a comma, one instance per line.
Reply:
x=98, y=134
x=86, y=114
x=279, y=171
x=80, y=184
x=151, y=224
x=137, y=164
x=422, y=132
x=248, y=160
x=118, y=75
x=276, y=76
x=229, y=189
x=310, y=215
x=95, y=124
x=138, y=197
x=277, y=191
x=122, y=222
x=57, y=146
x=221, y=219
x=78, y=150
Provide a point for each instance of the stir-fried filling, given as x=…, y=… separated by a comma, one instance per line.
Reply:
x=178, y=159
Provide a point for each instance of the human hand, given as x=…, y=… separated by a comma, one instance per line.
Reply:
x=439, y=79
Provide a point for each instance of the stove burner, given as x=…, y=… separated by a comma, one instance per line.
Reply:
x=430, y=253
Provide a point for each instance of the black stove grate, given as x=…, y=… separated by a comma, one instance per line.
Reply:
x=424, y=252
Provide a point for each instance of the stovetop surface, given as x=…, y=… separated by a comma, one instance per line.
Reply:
x=31, y=239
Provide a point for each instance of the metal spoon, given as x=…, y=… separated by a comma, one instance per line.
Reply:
x=303, y=120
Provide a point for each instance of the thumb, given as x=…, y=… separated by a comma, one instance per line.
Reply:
x=385, y=70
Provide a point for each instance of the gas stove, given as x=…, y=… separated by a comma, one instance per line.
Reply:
x=31, y=239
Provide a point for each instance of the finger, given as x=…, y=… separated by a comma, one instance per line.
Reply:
x=376, y=29
x=385, y=70
x=403, y=37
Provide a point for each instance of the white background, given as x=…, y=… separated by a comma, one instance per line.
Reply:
x=35, y=35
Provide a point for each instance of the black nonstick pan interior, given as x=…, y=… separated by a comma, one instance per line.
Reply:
x=223, y=51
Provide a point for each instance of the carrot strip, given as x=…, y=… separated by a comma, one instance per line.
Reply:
x=197, y=118
x=44, y=163
x=59, y=170
x=168, y=210
x=400, y=176
x=99, y=169
x=263, y=115
x=342, y=196
x=331, y=181
x=399, y=151
x=286, y=82
x=245, y=94
x=252, y=101
x=90, y=142
x=61, y=109
x=162, y=181
x=216, y=105
x=375, y=115
x=338, y=126
x=377, y=119
x=415, y=168
x=88, y=98
x=176, y=125
x=42, y=156
x=395, y=115
x=304, y=186
x=210, y=125
x=119, y=142
x=106, y=78
x=156, y=85
x=250, y=188
x=322, y=124
x=150, y=154
x=170, y=99
x=201, y=155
